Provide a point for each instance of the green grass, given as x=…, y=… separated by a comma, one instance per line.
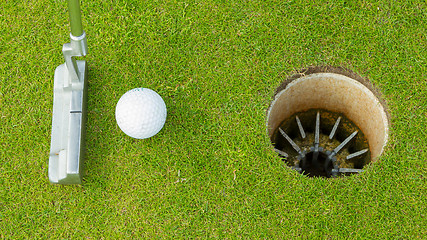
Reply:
x=211, y=172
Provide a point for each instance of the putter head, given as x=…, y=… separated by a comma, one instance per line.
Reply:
x=69, y=117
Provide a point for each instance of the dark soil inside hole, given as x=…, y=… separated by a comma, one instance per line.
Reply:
x=327, y=121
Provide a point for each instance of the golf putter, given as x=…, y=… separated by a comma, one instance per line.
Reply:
x=69, y=107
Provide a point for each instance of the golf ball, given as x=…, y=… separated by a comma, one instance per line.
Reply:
x=141, y=113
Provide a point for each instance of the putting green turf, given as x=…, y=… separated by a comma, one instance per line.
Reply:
x=211, y=172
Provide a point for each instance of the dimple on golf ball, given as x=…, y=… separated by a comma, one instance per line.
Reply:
x=141, y=113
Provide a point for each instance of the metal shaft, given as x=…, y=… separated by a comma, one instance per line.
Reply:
x=75, y=17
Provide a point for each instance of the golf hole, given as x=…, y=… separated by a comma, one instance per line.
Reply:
x=327, y=122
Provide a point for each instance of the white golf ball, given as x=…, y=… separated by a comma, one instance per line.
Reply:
x=141, y=113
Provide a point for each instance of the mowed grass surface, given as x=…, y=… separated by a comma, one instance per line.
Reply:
x=211, y=172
